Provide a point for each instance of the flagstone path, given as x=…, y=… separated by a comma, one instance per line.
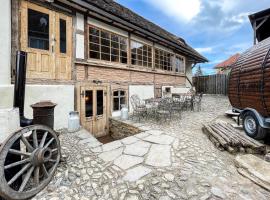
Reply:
x=165, y=161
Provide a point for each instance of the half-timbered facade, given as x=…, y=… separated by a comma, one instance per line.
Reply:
x=93, y=55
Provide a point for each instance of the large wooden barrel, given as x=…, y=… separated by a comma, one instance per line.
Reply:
x=249, y=82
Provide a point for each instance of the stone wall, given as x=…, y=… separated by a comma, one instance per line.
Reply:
x=120, y=129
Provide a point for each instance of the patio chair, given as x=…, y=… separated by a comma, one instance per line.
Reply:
x=164, y=110
x=139, y=109
x=178, y=106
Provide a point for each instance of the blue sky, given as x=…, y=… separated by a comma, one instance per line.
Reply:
x=216, y=28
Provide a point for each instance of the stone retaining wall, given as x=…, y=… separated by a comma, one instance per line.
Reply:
x=120, y=129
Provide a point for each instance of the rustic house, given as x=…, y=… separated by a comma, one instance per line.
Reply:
x=90, y=56
x=226, y=66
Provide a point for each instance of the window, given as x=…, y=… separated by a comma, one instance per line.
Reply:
x=89, y=103
x=179, y=64
x=163, y=60
x=63, y=36
x=119, y=98
x=38, y=30
x=99, y=102
x=141, y=54
x=107, y=46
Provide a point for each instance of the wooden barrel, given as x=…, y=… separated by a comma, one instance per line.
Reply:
x=249, y=82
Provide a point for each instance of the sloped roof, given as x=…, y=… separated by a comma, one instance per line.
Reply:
x=229, y=62
x=126, y=14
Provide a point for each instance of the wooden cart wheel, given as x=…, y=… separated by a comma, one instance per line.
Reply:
x=34, y=165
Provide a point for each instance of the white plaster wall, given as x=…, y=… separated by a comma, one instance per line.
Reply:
x=5, y=41
x=79, y=46
x=63, y=95
x=143, y=91
x=80, y=21
x=188, y=73
x=139, y=39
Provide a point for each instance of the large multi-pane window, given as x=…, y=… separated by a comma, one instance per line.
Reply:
x=141, y=54
x=164, y=60
x=179, y=64
x=104, y=45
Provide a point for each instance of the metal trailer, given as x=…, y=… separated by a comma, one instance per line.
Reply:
x=28, y=157
x=249, y=89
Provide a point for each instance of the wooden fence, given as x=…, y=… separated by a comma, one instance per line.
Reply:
x=212, y=84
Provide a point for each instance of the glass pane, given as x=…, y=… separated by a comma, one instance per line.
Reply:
x=94, y=54
x=94, y=39
x=38, y=30
x=105, y=42
x=94, y=31
x=94, y=47
x=99, y=102
x=105, y=35
x=105, y=57
x=114, y=58
x=88, y=103
x=116, y=104
x=122, y=100
x=63, y=36
x=115, y=93
x=105, y=49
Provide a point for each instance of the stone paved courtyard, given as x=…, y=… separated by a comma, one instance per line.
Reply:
x=167, y=161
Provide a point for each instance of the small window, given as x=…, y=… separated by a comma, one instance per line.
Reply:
x=63, y=36
x=99, y=102
x=38, y=30
x=119, y=98
x=89, y=103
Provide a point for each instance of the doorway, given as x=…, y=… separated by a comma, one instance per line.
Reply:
x=46, y=36
x=94, y=109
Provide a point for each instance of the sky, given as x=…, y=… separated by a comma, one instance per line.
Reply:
x=217, y=29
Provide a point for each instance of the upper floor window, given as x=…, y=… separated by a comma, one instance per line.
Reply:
x=163, y=60
x=179, y=64
x=141, y=54
x=107, y=46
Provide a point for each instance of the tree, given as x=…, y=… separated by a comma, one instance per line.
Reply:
x=199, y=72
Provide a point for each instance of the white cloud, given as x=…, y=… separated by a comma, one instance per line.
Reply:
x=204, y=49
x=183, y=10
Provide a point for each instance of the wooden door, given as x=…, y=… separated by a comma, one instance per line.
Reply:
x=46, y=36
x=94, y=110
x=63, y=27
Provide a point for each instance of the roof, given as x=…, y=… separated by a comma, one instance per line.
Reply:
x=131, y=17
x=259, y=14
x=229, y=62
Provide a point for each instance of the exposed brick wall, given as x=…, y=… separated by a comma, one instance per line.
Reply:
x=125, y=77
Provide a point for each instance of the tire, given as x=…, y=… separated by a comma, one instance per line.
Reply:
x=252, y=127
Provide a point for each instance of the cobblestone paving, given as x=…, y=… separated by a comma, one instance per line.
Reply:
x=167, y=161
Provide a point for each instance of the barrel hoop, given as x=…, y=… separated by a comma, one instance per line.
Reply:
x=263, y=81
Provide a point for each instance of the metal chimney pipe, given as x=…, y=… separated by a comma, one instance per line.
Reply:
x=19, y=87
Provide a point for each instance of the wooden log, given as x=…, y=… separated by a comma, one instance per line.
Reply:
x=209, y=131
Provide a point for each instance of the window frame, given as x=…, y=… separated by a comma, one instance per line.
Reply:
x=184, y=59
x=120, y=37
x=119, y=98
x=142, y=55
x=161, y=62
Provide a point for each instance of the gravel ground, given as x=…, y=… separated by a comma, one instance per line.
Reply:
x=195, y=168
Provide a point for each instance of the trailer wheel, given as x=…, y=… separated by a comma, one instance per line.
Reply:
x=252, y=126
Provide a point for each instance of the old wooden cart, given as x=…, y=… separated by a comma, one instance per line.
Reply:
x=29, y=156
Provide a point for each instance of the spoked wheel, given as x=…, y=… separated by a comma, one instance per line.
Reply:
x=28, y=160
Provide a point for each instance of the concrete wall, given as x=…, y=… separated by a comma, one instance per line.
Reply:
x=143, y=91
x=63, y=95
x=5, y=41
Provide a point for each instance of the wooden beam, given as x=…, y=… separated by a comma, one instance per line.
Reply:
x=255, y=33
x=257, y=27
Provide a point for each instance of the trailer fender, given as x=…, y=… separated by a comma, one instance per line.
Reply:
x=260, y=118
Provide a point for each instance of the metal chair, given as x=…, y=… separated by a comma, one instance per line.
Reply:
x=198, y=102
x=164, y=110
x=139, y=109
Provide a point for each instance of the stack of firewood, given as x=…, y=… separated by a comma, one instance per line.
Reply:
x=225, y=137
